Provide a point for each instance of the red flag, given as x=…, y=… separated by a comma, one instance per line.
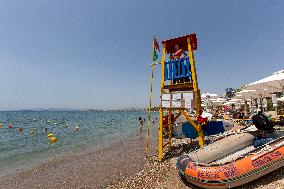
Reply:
x=156, y=44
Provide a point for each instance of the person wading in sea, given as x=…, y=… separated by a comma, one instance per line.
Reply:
x=141, y=124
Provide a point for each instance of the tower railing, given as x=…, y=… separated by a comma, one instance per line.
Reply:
x=178, y=69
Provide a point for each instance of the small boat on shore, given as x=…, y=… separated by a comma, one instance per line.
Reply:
x=233, y=160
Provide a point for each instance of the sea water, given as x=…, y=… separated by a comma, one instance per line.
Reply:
x=76, y=131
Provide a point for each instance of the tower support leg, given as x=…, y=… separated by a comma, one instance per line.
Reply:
x=160, y=142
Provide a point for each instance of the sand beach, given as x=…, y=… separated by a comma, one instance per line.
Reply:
x=122, y=165
x=98, y=169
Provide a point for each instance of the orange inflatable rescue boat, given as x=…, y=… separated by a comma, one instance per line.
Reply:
x=233, y=160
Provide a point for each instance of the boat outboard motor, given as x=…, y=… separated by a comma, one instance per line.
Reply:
x=262, y=123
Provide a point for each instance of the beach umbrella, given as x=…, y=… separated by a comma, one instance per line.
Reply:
x=211, y=95
x=218, y=101
x=246, y=94
x=252, y=94
x=259, y=94
x=243, y=96
x=273, y=83
x=233, y=101
x=280, y=99
x=229, y=103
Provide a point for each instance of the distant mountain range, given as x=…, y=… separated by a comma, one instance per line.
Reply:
x=71, y=109
x=46, y=109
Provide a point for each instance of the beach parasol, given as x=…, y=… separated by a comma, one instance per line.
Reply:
x=218, y=101
x=280, y=99
x=273, y=83
x=259, y=94
x=234, y=101
x=211, y=95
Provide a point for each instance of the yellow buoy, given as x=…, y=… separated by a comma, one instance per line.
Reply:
x=53, y=139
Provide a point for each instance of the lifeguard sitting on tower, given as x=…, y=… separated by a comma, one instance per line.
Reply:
x=175, y=55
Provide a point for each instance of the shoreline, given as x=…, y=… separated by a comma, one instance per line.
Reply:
x=121, y=165
x=93, y=169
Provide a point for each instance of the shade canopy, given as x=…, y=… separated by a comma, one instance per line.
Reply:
x=211, y=95
x=248, y=94
x=218, y=101
x=182, y=42
x=244, y=94
x=281, y=99
x=273, y=83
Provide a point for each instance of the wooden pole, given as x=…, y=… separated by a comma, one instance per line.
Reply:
x=160, y=140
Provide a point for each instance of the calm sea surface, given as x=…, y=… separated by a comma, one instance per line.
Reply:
x=19, y=151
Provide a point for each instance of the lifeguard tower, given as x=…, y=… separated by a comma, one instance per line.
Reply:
x=179, y=90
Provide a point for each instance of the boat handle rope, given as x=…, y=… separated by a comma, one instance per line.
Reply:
x=268, y=151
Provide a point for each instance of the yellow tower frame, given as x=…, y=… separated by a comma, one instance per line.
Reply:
x=170, y=88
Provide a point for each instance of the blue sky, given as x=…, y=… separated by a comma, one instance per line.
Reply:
x=96, y=54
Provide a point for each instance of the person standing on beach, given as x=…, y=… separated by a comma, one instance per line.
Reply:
x=141, y=123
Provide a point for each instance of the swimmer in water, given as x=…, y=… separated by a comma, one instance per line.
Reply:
x=32, y=131
x=21, y=130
